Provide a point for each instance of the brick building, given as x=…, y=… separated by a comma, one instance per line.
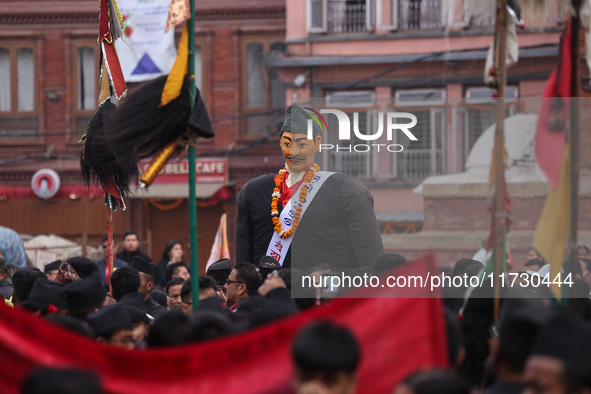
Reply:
x=48, y=89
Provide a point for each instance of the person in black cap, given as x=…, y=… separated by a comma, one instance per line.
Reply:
x=6, y=288
x=112, y=325
x=51, y=269
x=512, y=341
x=220, y=270
x=147, y=271
x=85, y=296
x=561, y=357
x=47, y=297
x=23, y=281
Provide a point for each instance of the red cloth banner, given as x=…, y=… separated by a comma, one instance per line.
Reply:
x=397, y=336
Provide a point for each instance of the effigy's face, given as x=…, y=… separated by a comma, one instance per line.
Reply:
x=298, y=151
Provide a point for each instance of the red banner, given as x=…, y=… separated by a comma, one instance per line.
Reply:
x=397, y=337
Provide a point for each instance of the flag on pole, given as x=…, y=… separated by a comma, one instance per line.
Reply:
x=553, y=157
x=553, y=229
x=552, y=121
x=219, y=250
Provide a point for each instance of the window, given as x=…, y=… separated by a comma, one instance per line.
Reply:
x=263, y=92
x=87, y=95
x=480, y=112
x=85, y=84
x=358, y=165
x=340, y=16
x=426, y=156
x=18, y=117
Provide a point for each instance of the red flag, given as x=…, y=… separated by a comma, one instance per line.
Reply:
x=553, y=117
x=397, y=337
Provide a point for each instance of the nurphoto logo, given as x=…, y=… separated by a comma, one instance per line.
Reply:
x=392, y=120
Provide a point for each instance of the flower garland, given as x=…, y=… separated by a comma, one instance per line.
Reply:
x=298, y=204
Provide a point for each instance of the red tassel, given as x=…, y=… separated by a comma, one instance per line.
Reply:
x=52, y=309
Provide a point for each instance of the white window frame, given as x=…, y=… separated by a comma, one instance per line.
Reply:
x=511, y=95
x=324, y=27
x=394, y=25
x=399, y=100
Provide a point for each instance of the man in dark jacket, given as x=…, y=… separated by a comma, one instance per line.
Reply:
x=147, y=272
x=131, y=248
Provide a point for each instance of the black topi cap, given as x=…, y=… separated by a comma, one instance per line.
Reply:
x=108, y=318
x=143, y=266
x=53, y=266
x=46, y=292
x=85, y=293
x=134, y=299
x=220, y=270
x=567, y=338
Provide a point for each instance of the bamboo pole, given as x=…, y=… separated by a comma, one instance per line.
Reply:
x=192, y=191
x=574, y=146
x=499, y=208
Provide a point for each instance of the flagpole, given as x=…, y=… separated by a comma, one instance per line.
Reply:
x=499, y=208
x=192, y=193
x=574, y=138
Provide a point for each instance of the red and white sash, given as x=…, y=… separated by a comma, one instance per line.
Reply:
x=278, y=246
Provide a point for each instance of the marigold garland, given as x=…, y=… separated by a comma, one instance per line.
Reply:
x=298, y=204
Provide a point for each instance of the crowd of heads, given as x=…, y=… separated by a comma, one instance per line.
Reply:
x=532, y=344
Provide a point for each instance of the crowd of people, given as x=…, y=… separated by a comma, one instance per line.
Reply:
x=533, y=346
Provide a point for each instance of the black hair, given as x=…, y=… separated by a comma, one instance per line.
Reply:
x=169, y=245
x=173, y=270
x=136, y=315
x=436, y=381
x=386, y=262
x=587, y=263
x=207, y=282
x=455, y=341
x=322, y=350
x=125, y=280
x=160, y=297
x=170, y=329
x=108, y=334
x=23, y=280
x=210, y=325
x=130, y=233
x=249, y=275
x=462, y=264
x=72, y=324
x=537, y=262
x=174, y=282
x=64, y=381
x=186, y=289
x=84, y=267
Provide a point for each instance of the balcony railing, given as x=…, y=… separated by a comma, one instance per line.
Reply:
x=346, y=16
x=419, y=14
